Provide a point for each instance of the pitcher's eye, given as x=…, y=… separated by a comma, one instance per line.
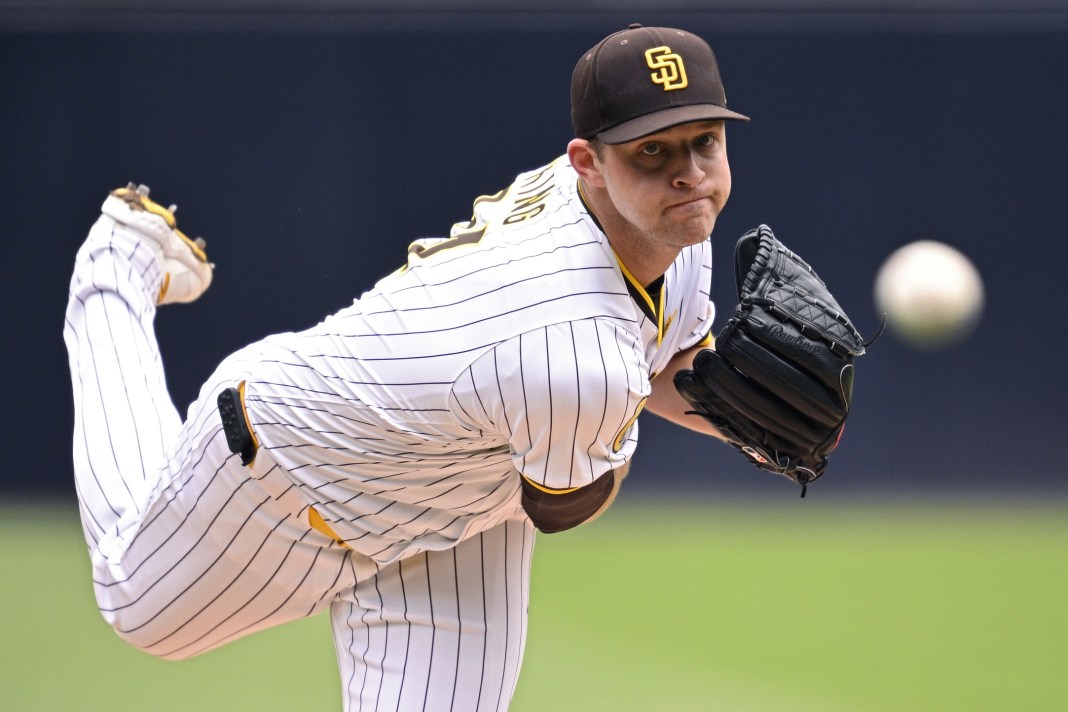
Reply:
x=651, y=149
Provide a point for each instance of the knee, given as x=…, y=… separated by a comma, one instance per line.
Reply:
x=147, y=637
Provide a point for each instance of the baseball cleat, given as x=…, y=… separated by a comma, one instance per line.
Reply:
x=186, y=270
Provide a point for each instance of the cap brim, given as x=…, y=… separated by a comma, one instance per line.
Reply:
x=666, y=119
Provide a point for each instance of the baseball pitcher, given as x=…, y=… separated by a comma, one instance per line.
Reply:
x=391, y=464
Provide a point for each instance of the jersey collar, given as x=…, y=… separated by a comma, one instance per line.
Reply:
x=649, y=298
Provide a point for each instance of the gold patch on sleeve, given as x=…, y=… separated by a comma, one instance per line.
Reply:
x=621, y=437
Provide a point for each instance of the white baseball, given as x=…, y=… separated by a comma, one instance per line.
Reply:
x=931, y=293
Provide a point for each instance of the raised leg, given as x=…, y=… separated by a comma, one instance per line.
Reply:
x=189, y=548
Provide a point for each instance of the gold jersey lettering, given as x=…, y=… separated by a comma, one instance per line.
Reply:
x=530, y=197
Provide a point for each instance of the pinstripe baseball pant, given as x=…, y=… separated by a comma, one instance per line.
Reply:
x=191, y=550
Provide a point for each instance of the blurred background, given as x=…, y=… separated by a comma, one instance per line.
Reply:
x=310, y=142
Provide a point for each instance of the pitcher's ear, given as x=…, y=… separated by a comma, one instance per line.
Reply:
x=583, y=157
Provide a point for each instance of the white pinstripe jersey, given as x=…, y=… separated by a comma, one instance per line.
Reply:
x=517, y=344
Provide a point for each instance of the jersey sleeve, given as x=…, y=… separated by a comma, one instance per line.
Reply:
x=701, y=333
x=696, y=281
x=566, y=398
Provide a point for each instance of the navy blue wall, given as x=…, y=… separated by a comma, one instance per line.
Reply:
x=309, y=160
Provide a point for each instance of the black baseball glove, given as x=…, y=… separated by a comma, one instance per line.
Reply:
x=779, y=382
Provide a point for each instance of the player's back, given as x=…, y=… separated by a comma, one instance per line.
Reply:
x=531, y=257
x=361, y=407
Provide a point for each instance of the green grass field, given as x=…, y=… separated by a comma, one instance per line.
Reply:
x=743, y=606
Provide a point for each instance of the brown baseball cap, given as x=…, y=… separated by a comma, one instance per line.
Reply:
x=642, y=80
